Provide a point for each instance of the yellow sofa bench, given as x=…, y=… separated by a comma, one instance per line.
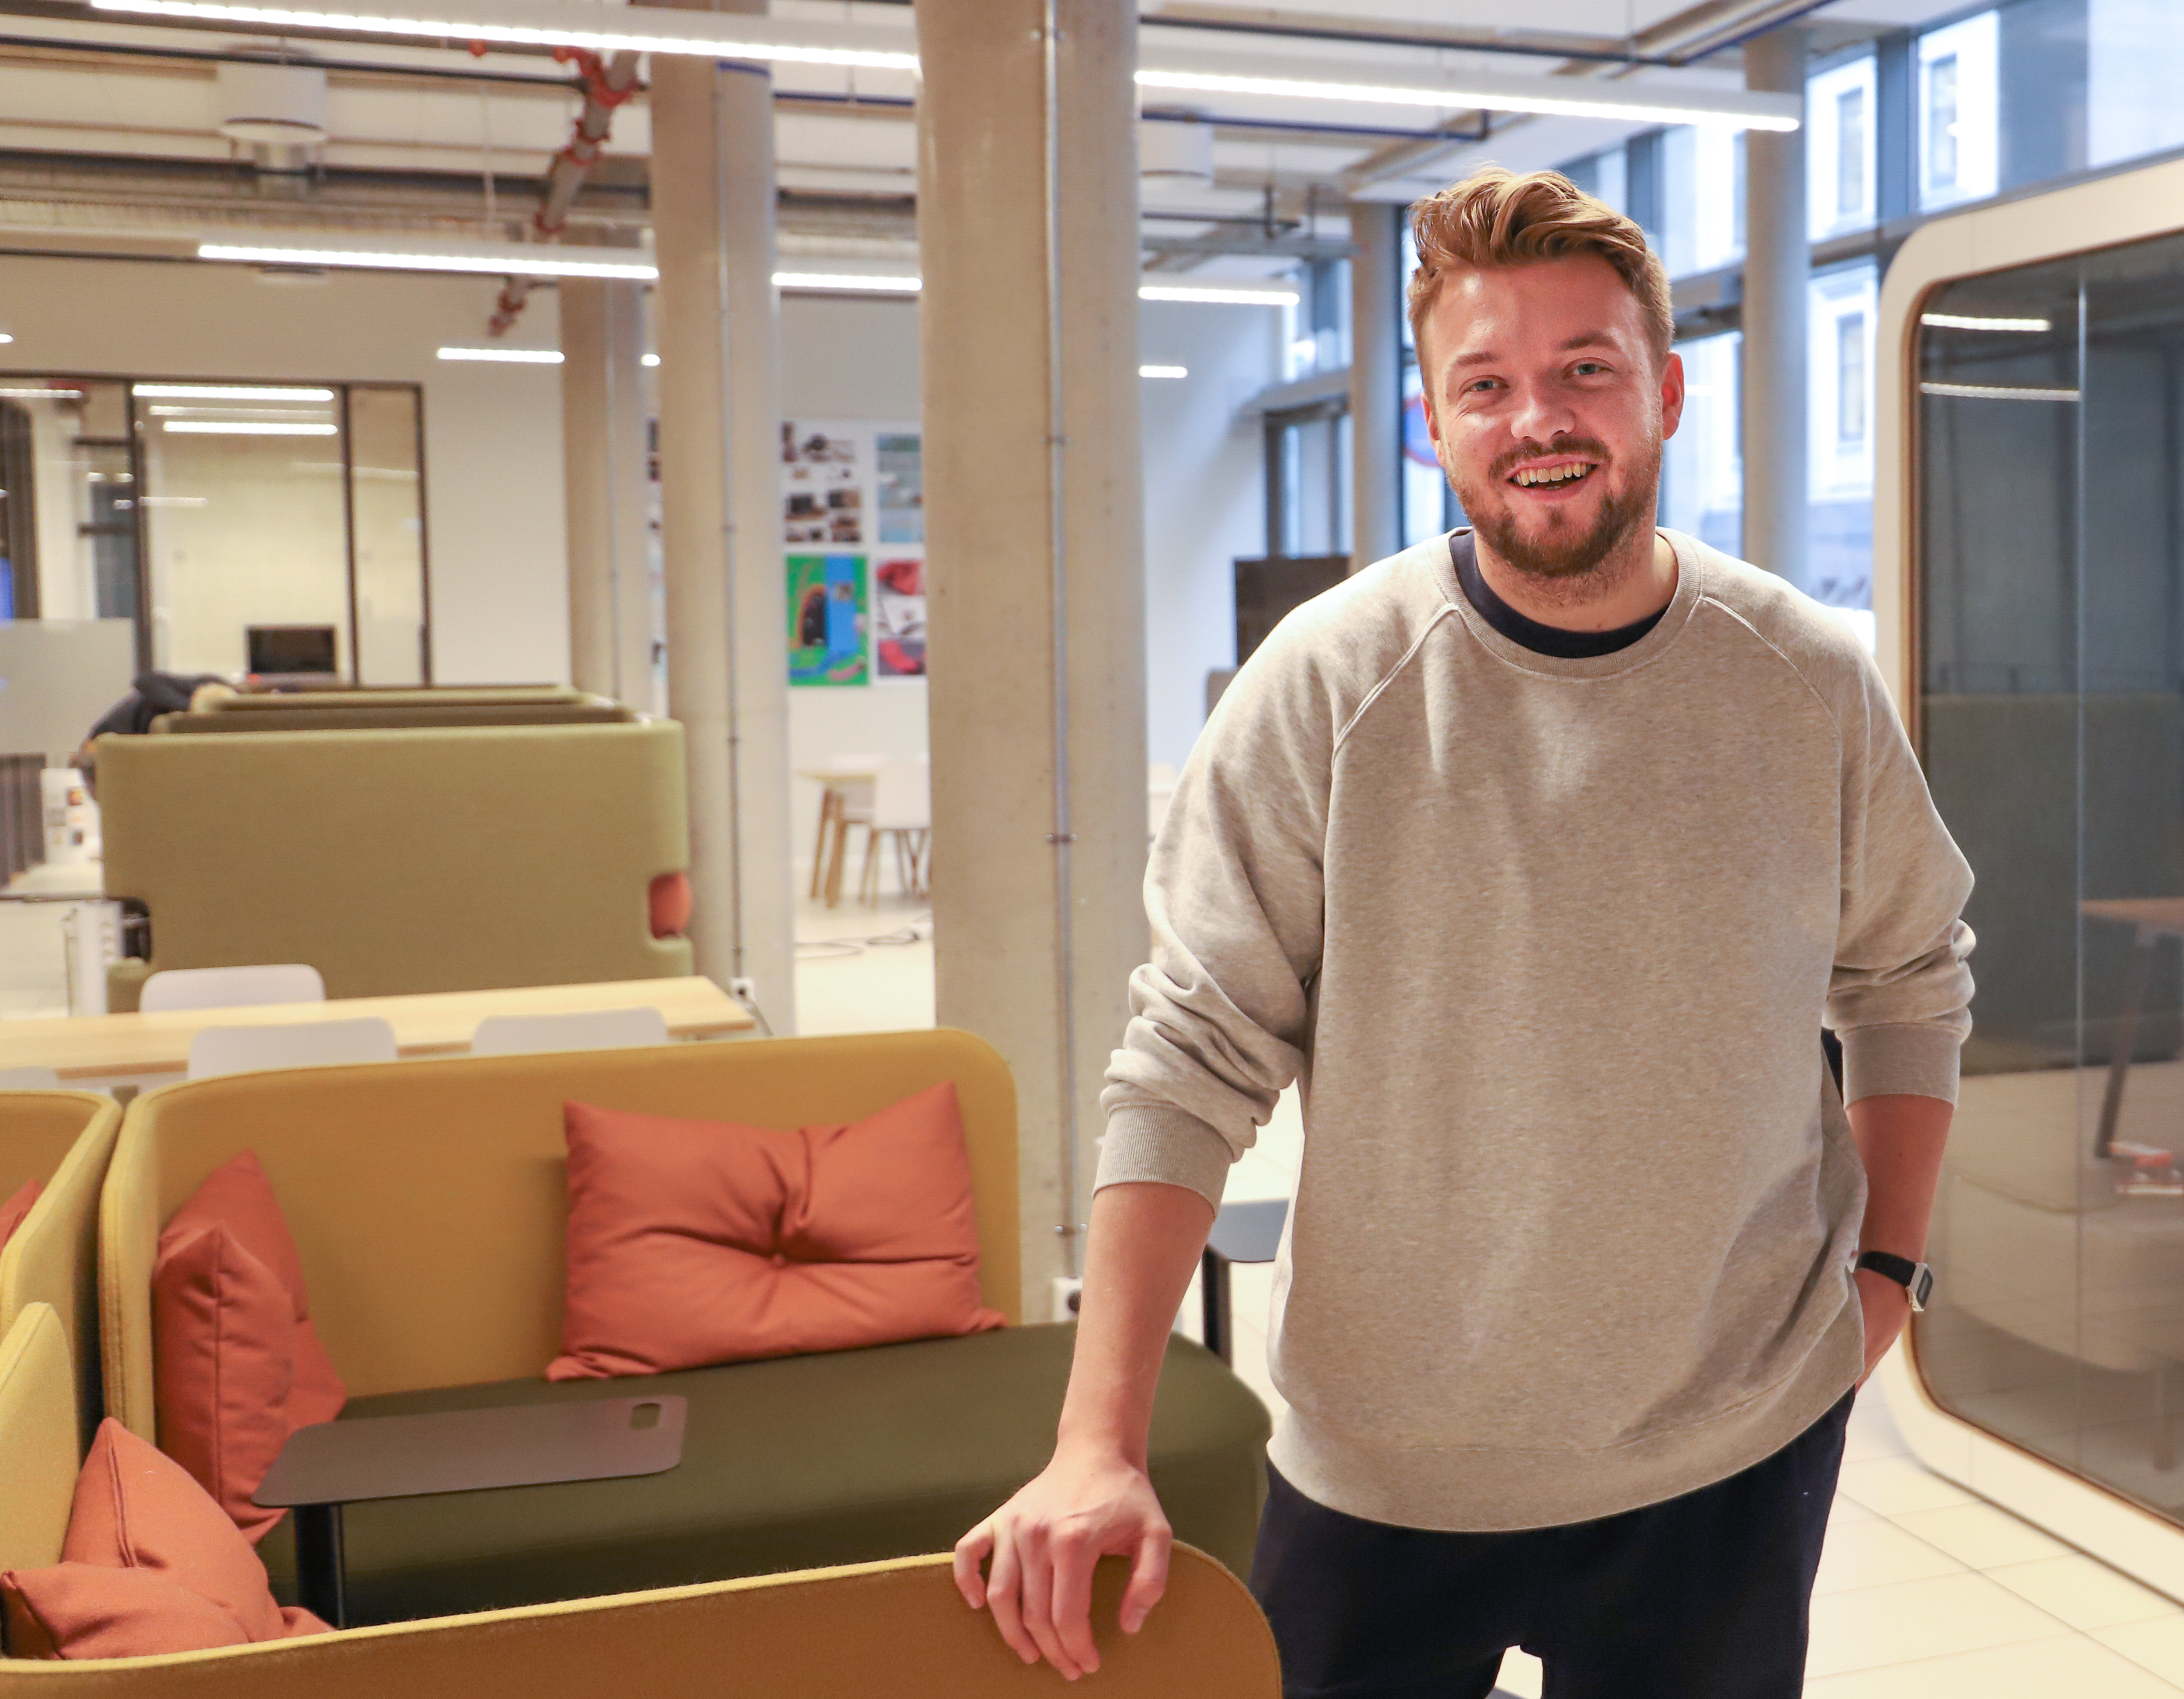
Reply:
x=63, y=1140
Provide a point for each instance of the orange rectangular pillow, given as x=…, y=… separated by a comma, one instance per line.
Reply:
x=150, y=1565
x=237, y=1365
x=692, y=1243
x=17, y=1207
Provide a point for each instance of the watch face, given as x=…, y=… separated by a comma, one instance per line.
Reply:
x=1922, y=1287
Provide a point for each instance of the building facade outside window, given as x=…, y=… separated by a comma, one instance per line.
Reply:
x=1840, y=148
x=1959, y=91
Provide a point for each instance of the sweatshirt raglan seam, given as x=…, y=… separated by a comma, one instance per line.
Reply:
x=1708, y=599
x=1388, y=678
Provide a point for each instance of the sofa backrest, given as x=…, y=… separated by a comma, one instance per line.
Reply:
x=280, y=701
x=428, y=1198
x=371, y=716
x=64, y=1139
x=441, y=858
x=38, y=1438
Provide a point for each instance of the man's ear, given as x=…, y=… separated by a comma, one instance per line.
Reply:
x=1671, y=395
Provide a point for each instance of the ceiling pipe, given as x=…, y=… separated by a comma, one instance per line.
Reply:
x=606, y=86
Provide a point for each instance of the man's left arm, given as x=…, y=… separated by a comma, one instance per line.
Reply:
x=1900, y=1138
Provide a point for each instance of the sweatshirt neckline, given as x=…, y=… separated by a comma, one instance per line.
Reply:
x=1665, y=631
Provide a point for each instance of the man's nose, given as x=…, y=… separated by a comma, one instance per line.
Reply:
x=1541, y=414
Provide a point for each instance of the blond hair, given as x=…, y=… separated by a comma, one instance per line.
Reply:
x=1495, y=217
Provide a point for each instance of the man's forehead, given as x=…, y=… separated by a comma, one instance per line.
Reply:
x=1486, y=313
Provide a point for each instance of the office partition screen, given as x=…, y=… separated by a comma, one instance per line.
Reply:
x=2050, y=649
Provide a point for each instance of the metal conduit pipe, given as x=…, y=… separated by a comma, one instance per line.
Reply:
x=606, y=86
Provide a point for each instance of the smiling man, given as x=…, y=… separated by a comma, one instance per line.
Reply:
x=1541, y=854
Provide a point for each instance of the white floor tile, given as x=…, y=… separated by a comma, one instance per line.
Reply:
x=1934, y=1617
x=1981, y=1535
x=1890, y=1486
x=1873, y=1553
x=1521, y=1674
x=2069, y=1667
x=1873, y=1432
x=2157, y=1646
x=1844, y=1510
x=2082, y=1592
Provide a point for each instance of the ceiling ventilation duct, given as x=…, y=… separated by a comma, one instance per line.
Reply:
x=279, y=111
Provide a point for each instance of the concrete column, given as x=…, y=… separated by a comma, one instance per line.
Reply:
x=1778, y=269
x=1028, y=228
x=1376, y=440
x=720, y=448
x=603, y=480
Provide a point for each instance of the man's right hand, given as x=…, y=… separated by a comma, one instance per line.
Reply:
x=1044, y=1543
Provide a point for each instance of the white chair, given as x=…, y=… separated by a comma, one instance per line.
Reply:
x=231, y=988
x=28, y=1079
x=304, y=1043
x=902, y=808
x=589, y=1029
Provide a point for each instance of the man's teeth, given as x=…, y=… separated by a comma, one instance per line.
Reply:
x=1554, y=474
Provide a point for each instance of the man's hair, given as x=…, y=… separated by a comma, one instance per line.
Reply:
x=1496, y=217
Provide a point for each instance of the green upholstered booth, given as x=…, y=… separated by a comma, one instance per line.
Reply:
x=426, y=1200
x=896, y=1628
x=430, y=859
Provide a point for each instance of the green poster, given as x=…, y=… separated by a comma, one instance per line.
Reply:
x=826, y=620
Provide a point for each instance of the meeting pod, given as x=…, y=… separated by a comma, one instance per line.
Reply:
x=2029, y=590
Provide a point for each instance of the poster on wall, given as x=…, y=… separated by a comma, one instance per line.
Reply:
x=898, y=617
x=853, y=534
x=823, y=495
x=826, y=620
x=901, y=470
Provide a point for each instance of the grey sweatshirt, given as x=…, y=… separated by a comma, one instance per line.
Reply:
x=1549, y=943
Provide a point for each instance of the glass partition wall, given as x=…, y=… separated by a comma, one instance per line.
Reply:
x=2050, y=622
x=244, y=527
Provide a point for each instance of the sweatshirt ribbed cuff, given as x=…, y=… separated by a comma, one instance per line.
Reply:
x=1165, y=1145
x=1915, y=1060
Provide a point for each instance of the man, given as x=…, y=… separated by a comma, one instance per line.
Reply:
x=1541, y=854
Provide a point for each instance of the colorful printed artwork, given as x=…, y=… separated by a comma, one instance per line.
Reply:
x=898, y=616
x=901, y=466
x=824, y=497
x=826, y=620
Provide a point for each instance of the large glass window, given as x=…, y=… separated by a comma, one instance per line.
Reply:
x=1839, y=436
x=1703, y=465
x=1703, y=198
x=2050, y=621
x=245, y=526
x=1959, y=95
x=1838, y=148
x=2134, y=68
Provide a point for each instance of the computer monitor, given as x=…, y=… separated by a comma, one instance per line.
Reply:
x=275, y=649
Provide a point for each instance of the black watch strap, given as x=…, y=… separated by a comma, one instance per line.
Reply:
x=1914, y=1278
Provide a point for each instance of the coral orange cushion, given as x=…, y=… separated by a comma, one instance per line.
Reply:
x=12, y=1212
x=699, y=1242
x=150, y=1565
x=670, y=903
x=236, y=1366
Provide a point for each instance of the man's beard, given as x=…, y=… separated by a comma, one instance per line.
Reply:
x=1564, y=554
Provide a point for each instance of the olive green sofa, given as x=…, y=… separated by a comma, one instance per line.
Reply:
x=429, y=858
x=426, y=1200
x=895, y=1629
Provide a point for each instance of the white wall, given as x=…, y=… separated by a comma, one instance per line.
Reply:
x=493, y=433
x=1205, y=500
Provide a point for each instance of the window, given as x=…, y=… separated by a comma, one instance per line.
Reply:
x=1960, y=94
x=1850, y=153
x=1850, y=378
x=1702, y=199
x=2134, y=66
x=1703, y=465
x=1840, y=102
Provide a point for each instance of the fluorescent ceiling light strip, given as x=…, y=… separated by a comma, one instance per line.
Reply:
x=1996, y=392
x=1217, y=294
x=227, y=391
x=40, y=394
x=649, y=30
x=243, y=428
x=508, y=356
x=1163, y=371
x=516, y=261
x=175, y=412
x=778, y=41
x=846, y=280
x=6, y=338
x=1959, y=322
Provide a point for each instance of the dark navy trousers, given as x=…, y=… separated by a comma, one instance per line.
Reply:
x=1704, y=1596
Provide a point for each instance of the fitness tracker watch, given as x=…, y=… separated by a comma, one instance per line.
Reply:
x=1916, y=1278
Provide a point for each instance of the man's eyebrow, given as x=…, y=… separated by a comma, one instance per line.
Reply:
x=1582, y=339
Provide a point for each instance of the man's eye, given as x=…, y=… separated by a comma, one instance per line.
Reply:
x=1585, y=368
x=1478, y=385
